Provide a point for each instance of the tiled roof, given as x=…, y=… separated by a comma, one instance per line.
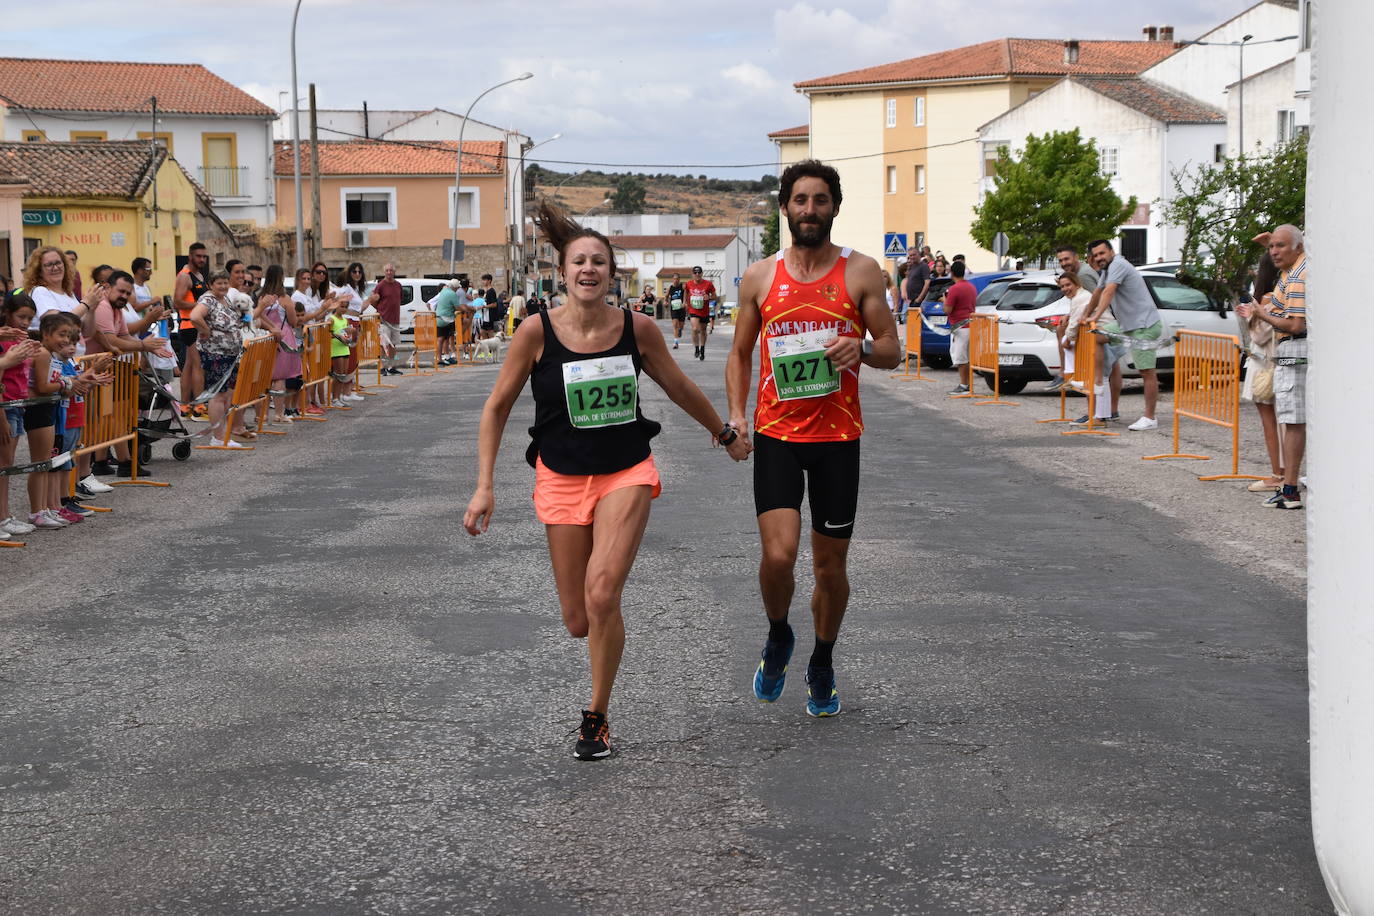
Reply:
x=1007, y=57
x=709, y=241
x=119, y=168
x=791, y=133
x=93, y=85
x=1153, y=99
x=383, y=157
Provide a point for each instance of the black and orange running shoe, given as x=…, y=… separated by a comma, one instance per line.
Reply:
x=594, y=742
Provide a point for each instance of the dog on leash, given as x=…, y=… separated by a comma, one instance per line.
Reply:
x=492, y=349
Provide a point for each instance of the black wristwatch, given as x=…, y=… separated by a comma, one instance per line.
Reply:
x=727, y=435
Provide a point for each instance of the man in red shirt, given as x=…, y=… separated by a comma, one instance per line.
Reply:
x=386, y=299
x=959, y=300
x=699, y=295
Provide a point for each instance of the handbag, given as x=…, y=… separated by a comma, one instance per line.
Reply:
x=1262, y=388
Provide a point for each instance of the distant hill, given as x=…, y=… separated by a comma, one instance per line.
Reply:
x=710, y=202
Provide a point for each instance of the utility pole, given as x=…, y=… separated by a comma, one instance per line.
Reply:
x=296, y=143
x=316, y=243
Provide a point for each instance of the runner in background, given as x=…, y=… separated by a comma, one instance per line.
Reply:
x=815, y=305
x=677, y=307
x=699, y=295
x=594, y=474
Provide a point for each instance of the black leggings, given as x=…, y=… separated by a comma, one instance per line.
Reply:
x=828, y=472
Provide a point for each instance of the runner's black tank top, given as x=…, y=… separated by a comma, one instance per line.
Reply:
x=566, y=448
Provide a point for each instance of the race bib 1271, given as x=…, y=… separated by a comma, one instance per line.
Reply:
x=800, y=367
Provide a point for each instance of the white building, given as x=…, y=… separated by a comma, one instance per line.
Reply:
x=655, y=258
x=1144, y=131
x=220, y=134
x=1276, y=104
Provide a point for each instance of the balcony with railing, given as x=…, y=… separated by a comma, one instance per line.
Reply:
x=225, y=180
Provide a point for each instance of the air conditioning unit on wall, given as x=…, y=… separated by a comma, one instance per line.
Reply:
x=355, y=238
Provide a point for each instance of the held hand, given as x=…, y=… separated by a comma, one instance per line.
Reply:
x=844, y=352
x=478, y=514
x=740, y=448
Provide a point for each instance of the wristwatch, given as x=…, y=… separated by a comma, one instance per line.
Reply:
x=727, y=435
x=867, y=347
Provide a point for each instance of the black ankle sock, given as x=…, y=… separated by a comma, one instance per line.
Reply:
x=820, y=656
x=779, y=631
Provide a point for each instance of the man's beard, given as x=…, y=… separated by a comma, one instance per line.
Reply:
x=810, y=235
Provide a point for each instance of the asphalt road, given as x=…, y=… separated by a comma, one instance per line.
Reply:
x=291, y=684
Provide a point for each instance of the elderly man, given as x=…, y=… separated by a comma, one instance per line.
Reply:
x=386, y=299
x=1287, y=312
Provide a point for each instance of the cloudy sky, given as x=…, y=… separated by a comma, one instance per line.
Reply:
x=649, y=85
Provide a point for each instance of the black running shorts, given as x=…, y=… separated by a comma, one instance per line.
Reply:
x=828, y=472
x=679, y=314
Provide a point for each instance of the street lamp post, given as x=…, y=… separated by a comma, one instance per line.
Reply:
x=458, y=168
x=524, y=150
x=1240, y=141
x=738, y=215
x=296, y=143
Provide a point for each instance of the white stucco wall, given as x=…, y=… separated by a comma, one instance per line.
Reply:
x=851, y=124
x=253, y=148
x=1204, y=71
x=1265, y=94
x=954, y=172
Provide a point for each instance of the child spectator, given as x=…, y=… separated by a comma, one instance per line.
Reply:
x=341, y=336
x=278, y=313
x=16, y=354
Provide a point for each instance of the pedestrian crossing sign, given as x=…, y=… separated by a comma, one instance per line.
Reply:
x=894, y=244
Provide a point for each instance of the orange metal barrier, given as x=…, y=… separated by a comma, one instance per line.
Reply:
x=314, y=367
x=112, y=416
x=254, y=377
x=369, y=350
x=913, y=345
x=1207, y=388
x=1087, y=351
x=426, y=340
x=983, y=341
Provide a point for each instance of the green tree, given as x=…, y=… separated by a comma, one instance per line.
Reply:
x=628, y=196
x=769, y=238
x=1222, y=206
x=1051, y=193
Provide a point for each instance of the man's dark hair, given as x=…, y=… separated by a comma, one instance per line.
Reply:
x=196, y=246
x=1095, y=243
x=486, y=277
x=118, y=275
x=958, y=269
x=70, y=252
x=257, y=267
x=808, y=168
x=139, y=264
x=1071, y=249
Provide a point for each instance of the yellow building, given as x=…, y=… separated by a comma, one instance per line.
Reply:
x=794, y=145
x=109, y=202
x=904, y=135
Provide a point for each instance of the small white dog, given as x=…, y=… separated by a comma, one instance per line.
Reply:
x=493, y=349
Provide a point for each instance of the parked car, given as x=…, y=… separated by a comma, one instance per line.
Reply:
x=415, y=293
x=935, y=344
x=1031, y=307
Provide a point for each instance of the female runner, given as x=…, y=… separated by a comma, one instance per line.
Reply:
x=594, y=475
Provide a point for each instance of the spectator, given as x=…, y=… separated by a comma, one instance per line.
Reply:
x=217, y=322
x=959, y=303
x=51, y=281
x=386, y=299
x=1259, y=376
x=1287, y=314
x=309, y=308
x=1137, y=320
x=190, y=287
x=1086, y=279
x=277, y=313
x=16, y=354
x=341, y=333
x=101, y=275
x=890, y=292
x=515, y=313
x=351, y=291
x=941, y=268
x=917, y=284
x=481, y=325
x=70, y=257
x=1079, y=300
x=446, y=321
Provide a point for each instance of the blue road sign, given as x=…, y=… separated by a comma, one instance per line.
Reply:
x=894, y=244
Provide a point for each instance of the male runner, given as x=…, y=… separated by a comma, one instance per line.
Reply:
x=677, y=306
x=814, y=304
x=699, y=295
x=190, y=286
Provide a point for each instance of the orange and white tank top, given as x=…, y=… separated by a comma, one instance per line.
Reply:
x=801, y=397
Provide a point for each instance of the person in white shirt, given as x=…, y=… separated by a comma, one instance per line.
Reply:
x=50, y=280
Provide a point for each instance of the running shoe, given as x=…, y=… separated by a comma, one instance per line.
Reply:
x=959, y=389
x=771, y=675
x=67, y=515
x=44, y=521
x=16, y=526
x=1282, y=500
x=1055, y=384
x=594, y=741
x=232, y=443
x=674, y=344
x=92, y=484
x=76, y=508
x=1144, y=423
x=822, y=699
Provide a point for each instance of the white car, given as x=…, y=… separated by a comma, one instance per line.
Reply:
x=1031, y=307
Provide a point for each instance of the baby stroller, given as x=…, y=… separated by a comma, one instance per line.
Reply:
x=159, y=418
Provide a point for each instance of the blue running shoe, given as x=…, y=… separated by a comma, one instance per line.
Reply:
x=771, y=675
x=822, y=699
